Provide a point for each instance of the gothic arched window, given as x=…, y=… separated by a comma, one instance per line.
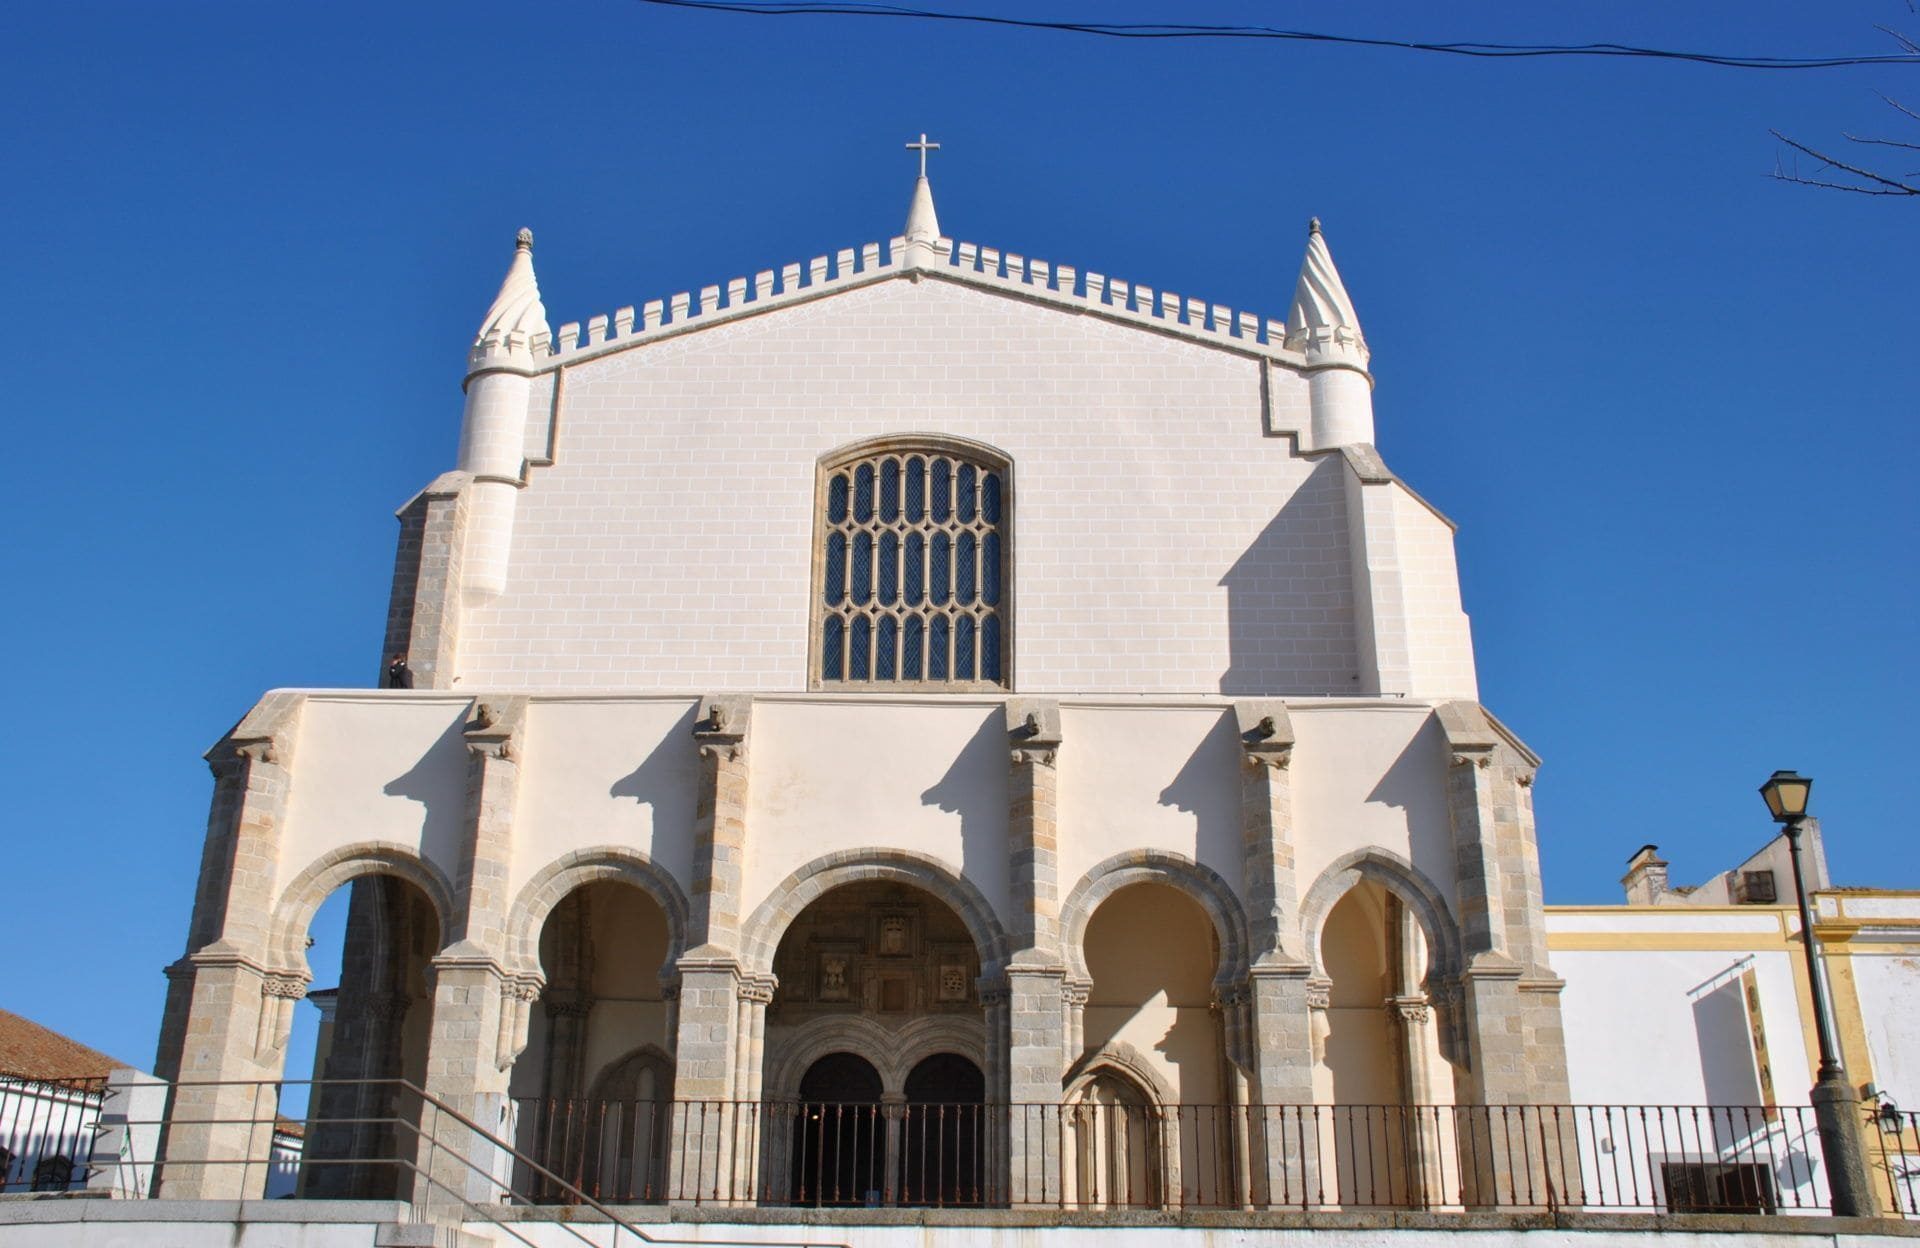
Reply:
x=913, y=566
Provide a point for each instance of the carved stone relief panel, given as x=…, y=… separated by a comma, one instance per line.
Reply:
x=878, y=948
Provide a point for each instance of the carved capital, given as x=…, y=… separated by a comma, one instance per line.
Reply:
x=1266, y=732
x=284, y=986
x=757, y=989
x=493, y=727
x=1409, y=1009
x=1075, y=992
x=387, y=1007
x=1525, y=779
x=1478, y=759
x=721, y=727
x=568, y=1004
x=1033, y=731
x=1319, y=994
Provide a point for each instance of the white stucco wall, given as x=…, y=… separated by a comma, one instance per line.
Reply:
x=1366, y=776
x=929, y=778
x=380, y=767
x=1149, y=777
x=1162, y=540
x=857, y=773
x=604, y=772
x=1644, y=1024
x=1889, y=988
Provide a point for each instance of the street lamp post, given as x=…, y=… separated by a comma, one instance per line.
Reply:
x=1836, y=1108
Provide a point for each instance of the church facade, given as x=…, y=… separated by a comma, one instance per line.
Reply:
x=1014, y=703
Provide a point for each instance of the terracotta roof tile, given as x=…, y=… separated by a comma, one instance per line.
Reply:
x=27, y=1048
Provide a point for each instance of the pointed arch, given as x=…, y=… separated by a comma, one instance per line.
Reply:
x=301, y=898
x=1156, y=866
x=1122, y=1061
x=760, y=934
x=551, y=884
x=1401, y=878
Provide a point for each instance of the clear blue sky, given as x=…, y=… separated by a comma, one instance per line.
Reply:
x=1670, y=402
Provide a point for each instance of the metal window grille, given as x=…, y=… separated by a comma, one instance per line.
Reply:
x=914, y=562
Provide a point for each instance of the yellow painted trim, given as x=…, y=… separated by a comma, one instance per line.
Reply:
x=1667, y=909
x=1667, y=942
x=1803, y=1005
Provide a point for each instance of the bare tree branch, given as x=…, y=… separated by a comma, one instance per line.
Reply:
x=1875, y=183
x=1903, y=40
x=1893, y=103
x=1891, y=186
x=1854, y=138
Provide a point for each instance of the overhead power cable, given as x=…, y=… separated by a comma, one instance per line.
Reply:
x=1174, y=30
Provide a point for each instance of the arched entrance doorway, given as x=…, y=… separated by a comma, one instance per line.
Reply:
x=876, y=1047
x=942, y=1135
x=839, y=1145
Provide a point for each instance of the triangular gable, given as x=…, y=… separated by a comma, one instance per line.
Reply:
x=1006, y=274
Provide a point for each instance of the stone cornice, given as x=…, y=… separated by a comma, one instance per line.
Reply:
x=266, y=733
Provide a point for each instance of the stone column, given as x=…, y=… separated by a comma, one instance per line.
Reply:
x=1035, y=974
x=423, y=608
x=720, y=820
x=1509, y=1009
x=708, y=1034
x=468, y=1067
x=1073, y=1000
x=1001, y=1116
x=1410, y=1016
x=228, y=1002
x=1278, y=1052
x=755, y=993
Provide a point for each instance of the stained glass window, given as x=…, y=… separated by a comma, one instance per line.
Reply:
x=914, y=544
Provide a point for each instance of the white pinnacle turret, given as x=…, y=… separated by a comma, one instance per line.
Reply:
x=499, y=388
x=1323, y=316
x=517, y=321
x=1323, y=326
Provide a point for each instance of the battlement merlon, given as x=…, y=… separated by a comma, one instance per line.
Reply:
x=1321, y=338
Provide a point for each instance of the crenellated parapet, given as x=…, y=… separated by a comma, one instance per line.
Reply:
x=1061, y=285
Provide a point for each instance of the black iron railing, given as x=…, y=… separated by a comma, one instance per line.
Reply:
x=47, y=1129
x=1102, y=1156
x=1083, y=1156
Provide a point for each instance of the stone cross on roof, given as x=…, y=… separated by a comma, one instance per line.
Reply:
x=923, y=147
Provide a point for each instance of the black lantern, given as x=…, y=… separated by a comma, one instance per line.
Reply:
x=1786, y=794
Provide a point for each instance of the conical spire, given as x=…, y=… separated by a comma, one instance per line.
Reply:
x=1323, y=320
x=517, y=321
x=923, y=225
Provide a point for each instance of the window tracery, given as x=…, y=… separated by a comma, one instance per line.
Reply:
x=913, y=554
